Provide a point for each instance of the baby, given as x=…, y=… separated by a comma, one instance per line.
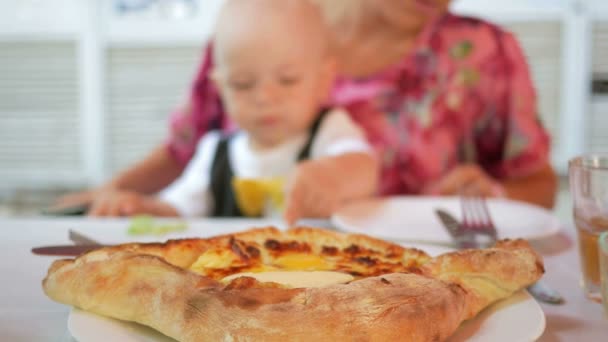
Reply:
x=274, y=71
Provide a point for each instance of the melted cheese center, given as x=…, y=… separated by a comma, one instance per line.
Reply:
x=301, y=262
x=297, y=278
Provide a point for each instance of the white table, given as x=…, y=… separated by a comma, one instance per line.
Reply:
x=26, y=314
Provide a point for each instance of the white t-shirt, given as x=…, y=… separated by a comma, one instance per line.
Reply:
x=190, y=194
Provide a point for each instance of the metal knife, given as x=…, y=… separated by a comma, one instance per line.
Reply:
x=461, y=238
x=73, y=210
x=539, y=290
x=449, y=222
x=65, y=250
x=81, y=239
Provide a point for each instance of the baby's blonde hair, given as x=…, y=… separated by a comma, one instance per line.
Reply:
x=313, y=14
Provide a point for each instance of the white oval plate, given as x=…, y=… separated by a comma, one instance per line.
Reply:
x=89, y=327
x=517, y=318
x=412, y=218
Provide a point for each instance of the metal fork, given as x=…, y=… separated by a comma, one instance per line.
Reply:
x=481, y=232
x=477, y=223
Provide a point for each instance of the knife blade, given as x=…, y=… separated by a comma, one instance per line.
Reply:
x=449, y=222
x=65, y=250
x=70, y=210
x=461, y=238
x=81, y=239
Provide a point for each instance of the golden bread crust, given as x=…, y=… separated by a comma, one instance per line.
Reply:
x=488, y=274
x=150, y=284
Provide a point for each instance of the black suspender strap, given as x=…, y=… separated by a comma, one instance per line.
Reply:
x=221, y=182
x=314, y=128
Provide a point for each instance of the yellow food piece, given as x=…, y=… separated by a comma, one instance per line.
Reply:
x=253, y=195
x=249, y=196
x=215, y=258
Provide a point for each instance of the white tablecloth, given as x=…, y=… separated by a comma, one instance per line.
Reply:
x=26, y=314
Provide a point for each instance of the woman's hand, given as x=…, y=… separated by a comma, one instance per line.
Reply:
x=470, y=179
x=311, y=192
x=127, y=203
x=75, y=199
x=148, y=176
x=538, y=188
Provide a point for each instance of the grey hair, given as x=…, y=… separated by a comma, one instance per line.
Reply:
x=337, y=12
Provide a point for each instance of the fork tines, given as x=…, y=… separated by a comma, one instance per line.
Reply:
x=476, y=215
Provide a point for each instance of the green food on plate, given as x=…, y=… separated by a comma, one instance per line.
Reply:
x=146, y=225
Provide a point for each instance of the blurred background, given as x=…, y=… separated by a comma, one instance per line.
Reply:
x=86, y=86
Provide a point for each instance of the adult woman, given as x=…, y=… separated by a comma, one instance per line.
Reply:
x=447, y=101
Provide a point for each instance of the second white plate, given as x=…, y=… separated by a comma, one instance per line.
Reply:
x=412, y=218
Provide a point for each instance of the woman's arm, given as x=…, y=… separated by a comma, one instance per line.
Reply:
x=538, y=187
x=149, y=175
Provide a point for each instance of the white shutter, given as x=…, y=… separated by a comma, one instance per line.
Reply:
x=39, y=111
x=541, y=42
x=598, y=125
x=600, y=47
x=143, y=86
x=598, y=118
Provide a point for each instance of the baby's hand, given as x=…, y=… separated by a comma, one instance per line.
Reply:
x=311, y=192
x=128, y=203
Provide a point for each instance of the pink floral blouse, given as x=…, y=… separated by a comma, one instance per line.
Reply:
x=462, y=95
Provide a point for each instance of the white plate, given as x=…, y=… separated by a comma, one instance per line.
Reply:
x=89, y=327
x=517, y=318
x=413, y=218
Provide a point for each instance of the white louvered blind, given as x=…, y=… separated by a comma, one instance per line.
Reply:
x=598, y=118
x=598, y=125
x=600, y=47
x=144, y=85
x=39, y=130
x=541, y=42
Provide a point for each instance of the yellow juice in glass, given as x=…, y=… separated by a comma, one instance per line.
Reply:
x=589, y=231
x=603, y=252
x=588, y=177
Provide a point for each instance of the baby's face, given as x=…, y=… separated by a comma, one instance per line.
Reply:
x=272, y=81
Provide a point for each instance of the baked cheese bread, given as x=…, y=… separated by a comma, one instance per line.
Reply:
x=299, y=285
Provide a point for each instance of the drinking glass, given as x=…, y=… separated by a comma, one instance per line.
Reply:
x=589, y=188
x=603, y=252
